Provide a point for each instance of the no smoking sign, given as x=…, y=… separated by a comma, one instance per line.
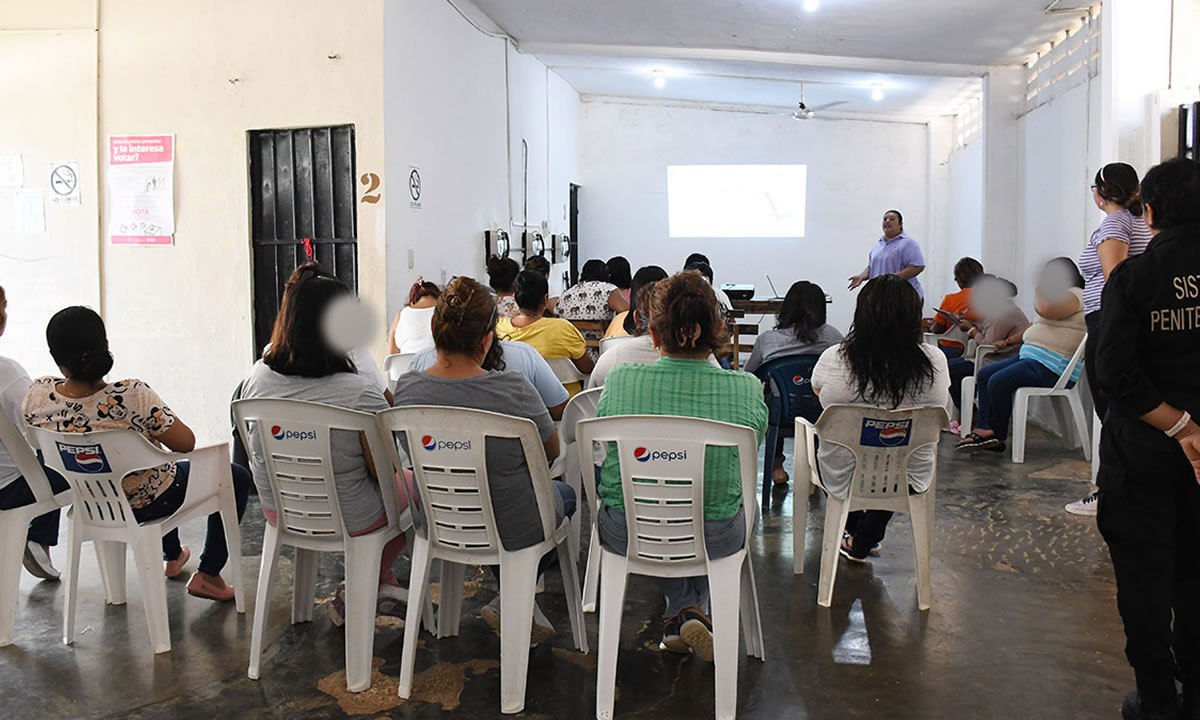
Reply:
x=64, y=184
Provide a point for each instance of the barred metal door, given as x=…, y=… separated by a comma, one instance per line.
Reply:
x=302, y=205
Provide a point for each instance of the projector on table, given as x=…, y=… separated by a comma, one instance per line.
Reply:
x=739, y=292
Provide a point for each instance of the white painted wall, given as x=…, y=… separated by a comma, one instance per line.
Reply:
x=459, y=103
x=857, y=170
x=964, y=236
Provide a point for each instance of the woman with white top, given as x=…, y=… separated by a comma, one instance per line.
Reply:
x=1122, y=234
x=883, y=363
x=412, y=330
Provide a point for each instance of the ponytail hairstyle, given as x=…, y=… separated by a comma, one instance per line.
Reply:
x=1118, y=183
x=422, y=289
x=884, y=350
x=79, y=344
x=502, y=273
x=685, y=315
x=465, y=313
x=298, y=345
x=640, y=306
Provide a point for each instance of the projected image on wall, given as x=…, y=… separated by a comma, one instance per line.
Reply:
x=738, y=201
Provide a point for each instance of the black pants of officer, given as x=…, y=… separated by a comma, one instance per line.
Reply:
x=1149, y=514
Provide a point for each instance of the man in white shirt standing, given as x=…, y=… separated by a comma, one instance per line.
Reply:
x=14, y=490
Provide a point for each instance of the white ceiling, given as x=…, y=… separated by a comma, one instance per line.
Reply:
x=926, y=54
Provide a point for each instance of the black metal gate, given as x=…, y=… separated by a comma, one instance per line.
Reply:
x=302, y=206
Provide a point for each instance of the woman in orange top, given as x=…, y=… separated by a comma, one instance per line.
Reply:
x=966, y=272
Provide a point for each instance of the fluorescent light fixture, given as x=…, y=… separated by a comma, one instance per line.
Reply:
x=812, y=5
x=660, y=82
x=877, y=93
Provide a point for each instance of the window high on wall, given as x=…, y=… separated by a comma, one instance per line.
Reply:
x=1069, y=60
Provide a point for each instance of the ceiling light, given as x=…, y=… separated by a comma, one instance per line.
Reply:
x=659, y=78
x=812, y=5
x=877, y=94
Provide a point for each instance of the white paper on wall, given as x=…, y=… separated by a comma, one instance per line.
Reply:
x=30, y=212
x=12, y=171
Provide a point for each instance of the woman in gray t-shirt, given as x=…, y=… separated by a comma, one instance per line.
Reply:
x=464, y=332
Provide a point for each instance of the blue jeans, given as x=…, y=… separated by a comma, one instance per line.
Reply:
x=43, y=529
x=216, y=552
x=998, y=383
x=722, y=538
x=959, y=370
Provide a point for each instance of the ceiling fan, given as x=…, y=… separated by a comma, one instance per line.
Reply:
x=804, y=112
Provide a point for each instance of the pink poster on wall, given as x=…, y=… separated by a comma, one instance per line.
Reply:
x=141, y=190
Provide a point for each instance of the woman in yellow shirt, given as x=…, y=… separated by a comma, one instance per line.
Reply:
x=553, y=338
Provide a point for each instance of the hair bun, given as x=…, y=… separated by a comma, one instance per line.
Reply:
x=93, y=365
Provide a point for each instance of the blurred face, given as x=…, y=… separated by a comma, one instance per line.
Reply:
x=1054, y=281
x=990, y=298
x=891, y=224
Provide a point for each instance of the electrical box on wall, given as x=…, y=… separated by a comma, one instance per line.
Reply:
x=565, y=249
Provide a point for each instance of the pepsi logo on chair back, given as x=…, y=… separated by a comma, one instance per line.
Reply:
x=885, y=433
x=432, y=444
x=642, y=454
x=281, y=433
x=89, y=459
x=799, y=380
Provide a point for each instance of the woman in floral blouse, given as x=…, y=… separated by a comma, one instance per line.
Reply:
x=592, y=298
x=82, y=401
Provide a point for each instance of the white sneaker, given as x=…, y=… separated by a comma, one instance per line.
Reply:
x=37, y=562
x=1086, y=506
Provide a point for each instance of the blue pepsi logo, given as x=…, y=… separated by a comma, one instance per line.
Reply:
x=88, y=459
x=280, y=433
x=799, y=380
x=885, y=433
x=431, y=444
x=642, y=454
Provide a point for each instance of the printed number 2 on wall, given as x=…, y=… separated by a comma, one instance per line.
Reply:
x=372, y=183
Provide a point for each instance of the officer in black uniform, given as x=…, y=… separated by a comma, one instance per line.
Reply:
x=1148, y=363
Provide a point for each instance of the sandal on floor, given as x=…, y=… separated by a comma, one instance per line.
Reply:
x=973, y=441
x=847, y=551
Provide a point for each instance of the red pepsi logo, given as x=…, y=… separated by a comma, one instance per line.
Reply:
x=280, y=433
x=641, y=454
x=893, y=436
x=431, y=443
x=89, y=459
x=885, y=433
x=428, y=442
x=799, y=380
x=277, y=432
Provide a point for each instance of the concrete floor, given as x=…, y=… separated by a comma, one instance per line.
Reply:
x=1023, y=625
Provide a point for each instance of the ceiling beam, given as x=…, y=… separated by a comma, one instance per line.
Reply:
x=873, y=65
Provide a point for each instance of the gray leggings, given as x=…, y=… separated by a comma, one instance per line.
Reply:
x=722, y=538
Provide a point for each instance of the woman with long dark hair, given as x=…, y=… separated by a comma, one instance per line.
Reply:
x=1122, y=234
x=502, y=275
x=623, y=325
x=553, y=338
x=83, y=401
x=884, y=363
x=620, y=274
x=302, y=364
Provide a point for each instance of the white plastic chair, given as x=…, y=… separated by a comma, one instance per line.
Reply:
x=581, y=407
x=609, y=343
x=457, y=526
x=662, y=477
x=880, y=482
x=101, y=513
x=566, y=372
x=14, y=524
x=967, y=391
x=396, y=365
x=295, y=450
x=1074, y=398
x=954, y=335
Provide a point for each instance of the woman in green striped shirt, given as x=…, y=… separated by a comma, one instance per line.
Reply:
x=686, y=326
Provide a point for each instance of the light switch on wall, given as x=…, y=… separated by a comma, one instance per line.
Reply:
x=412, y=259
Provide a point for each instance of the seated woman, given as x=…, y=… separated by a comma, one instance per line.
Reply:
x=957, y=304
x=300, y=364
x=687, y=327
x=882, y=363
x=554, y=338
x=540, y=265
x=502, y=274
x=619, y=274
x=593, y=298
x=1047, y=347
x=410, y=331
x=1001, y=324
x=623, y=325
x=464, y=330
x=801, y=329
x=82, y=401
